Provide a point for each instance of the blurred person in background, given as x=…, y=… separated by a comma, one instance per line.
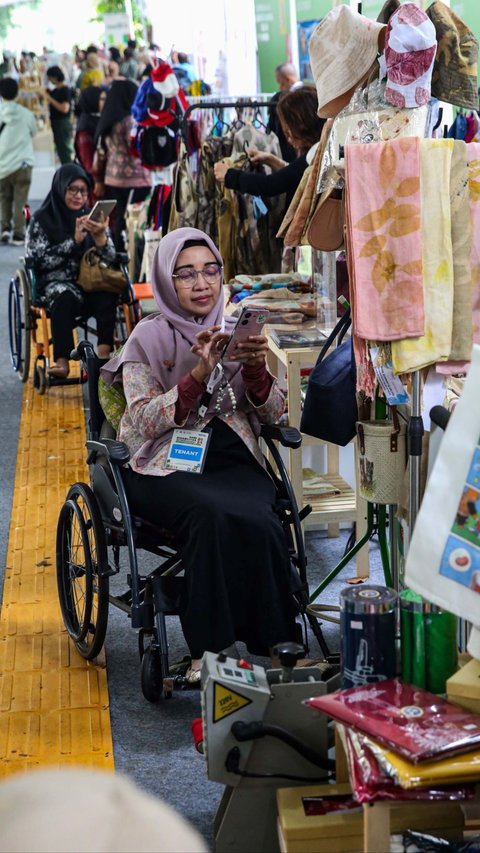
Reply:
x=129, y=66
x=297, y=113
x=18, y=127
x=184, y=70
x=59, y=97
x=287, y=79
x=88, y=110
x=92, y=74
x=117, y=171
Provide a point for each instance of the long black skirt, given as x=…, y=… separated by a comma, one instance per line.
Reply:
x=232, y=546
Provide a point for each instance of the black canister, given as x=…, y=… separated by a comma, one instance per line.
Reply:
x=367, y=626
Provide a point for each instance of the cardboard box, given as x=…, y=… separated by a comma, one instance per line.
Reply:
x=463, y=688
x=342, y=832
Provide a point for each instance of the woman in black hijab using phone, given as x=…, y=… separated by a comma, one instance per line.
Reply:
x=58, y=235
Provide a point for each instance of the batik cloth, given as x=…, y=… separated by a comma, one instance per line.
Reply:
x=437, y=262
x=385, y=239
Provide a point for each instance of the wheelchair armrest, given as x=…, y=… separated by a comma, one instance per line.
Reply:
x=287, y=436
x=82, y=351
x=115, y=451
x=121, y=258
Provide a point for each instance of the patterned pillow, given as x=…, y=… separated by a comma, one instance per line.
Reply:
x=113, y=402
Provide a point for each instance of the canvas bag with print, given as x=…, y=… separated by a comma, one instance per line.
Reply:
x=443, y=561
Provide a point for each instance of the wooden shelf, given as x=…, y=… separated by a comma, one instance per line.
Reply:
x=330, y=510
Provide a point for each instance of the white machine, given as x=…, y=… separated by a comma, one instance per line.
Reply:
x=259, y=736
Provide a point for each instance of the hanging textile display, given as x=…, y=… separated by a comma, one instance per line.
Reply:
x=436, y=264
x=385, y=239
x=157, y=109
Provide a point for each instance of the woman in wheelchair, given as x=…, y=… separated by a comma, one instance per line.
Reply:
x=227, y=532
x=58, y=235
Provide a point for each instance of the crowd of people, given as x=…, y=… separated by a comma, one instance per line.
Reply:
x=90, y=104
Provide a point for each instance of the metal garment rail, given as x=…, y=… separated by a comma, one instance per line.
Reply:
x=239, y=104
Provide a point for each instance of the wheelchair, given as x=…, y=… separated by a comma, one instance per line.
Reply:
x=95, y=523
x=25, y=317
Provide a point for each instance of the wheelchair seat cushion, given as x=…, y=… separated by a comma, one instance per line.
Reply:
x=113, y=402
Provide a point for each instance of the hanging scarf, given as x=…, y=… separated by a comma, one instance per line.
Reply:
x=437, y=262
x=88, y=111
x=385, y=239
x=54, y=216
x=462, y=337
x=164, y=341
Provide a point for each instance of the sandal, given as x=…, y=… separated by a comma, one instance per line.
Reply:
x=58, y=372
x=193, y=676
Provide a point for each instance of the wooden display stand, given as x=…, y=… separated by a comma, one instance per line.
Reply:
x=327, y=509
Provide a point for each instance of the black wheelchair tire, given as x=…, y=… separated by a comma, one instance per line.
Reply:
x=151, y=674
x=86, y=627
x=19, y=324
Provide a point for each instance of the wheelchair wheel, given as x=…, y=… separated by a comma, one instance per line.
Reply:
x=82, y=566
x=151, y=674
x=19, y=324
x=40, y=381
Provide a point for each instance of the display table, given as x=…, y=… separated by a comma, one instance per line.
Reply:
x=331, y=510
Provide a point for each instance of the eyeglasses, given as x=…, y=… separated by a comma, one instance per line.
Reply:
x=188, y=277
x=77, y=191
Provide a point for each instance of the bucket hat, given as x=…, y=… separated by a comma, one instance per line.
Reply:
x=454, y=77
x=342, y=49
x=410, y=48
x=387, y=10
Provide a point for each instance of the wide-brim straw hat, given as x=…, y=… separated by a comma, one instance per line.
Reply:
x=342, y=49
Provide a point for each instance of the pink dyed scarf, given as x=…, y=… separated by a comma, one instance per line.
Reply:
x=384, y=239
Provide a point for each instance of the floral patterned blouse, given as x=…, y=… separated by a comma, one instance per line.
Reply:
x=150, y=414
x=57, y=265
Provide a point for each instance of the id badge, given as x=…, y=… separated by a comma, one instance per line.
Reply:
x=188, y=450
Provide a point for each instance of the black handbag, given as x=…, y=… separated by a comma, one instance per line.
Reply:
x=330, y=407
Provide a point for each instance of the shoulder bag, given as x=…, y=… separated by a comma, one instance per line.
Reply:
x=330, y=407
x=96, y=275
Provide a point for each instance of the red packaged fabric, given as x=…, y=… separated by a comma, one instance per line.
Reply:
x=371, y=782
x=407, y=719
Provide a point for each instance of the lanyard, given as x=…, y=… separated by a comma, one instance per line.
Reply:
x=213, y=381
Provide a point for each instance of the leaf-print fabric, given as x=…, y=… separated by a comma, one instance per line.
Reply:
x=385, y=239
x=437, y=259
x=474, y=192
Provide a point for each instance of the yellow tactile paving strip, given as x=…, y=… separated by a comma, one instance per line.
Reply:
x=54, y=707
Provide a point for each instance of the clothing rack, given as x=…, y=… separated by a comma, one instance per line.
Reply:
x=208, y=103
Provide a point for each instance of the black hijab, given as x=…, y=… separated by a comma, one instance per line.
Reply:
x=88, y=110
x=118, y=104
x=53, y=216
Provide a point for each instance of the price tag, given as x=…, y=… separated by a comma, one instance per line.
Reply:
x=188, y=450
x=390, y=383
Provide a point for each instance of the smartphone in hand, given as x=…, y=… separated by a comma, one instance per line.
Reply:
x=250, y=322
x=104, y=206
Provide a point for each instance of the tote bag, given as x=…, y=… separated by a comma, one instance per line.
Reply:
x=330, y=407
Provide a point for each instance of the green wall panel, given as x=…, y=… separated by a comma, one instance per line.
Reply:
x=274, y=31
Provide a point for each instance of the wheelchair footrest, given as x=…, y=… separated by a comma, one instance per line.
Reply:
x=167, y=593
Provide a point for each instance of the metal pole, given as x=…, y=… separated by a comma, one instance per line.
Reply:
x=128, y=10
x=415, y=435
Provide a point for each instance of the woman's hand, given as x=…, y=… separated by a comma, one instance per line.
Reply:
x=80, y=229
x=209, y=348
x=98, y=229
x=220, y=170
x=257, y=157
x=253, y=351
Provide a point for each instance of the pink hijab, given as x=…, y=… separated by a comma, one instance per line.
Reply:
x=164, y=340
